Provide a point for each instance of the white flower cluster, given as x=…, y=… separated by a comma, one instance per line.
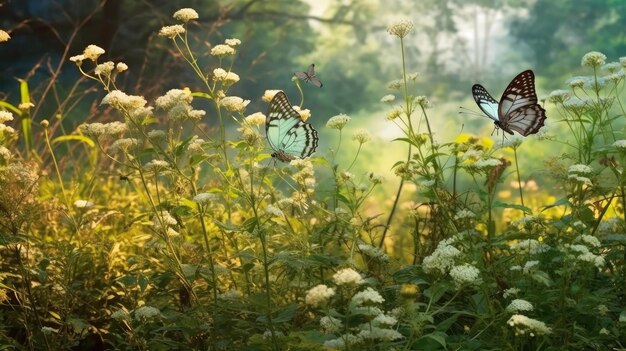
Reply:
x=177, y=103
x=373, y=252
x=442, y=259
x=234, y=103
x=319, y=295
x=583, y=254
x=338, y=122
x=465, y=274
x=348, y=276
x=96, y=130
x=524, y=325
x=530, y=246
x=6, y=116
x=146, y=312
x=519, y=305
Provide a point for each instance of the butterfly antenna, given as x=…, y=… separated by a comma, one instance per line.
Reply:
x=467, y=111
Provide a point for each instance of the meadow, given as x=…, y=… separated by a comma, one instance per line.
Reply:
x=155, y=228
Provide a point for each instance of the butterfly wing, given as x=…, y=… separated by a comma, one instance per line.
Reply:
x=485, y=101
x=309, y=76
x=518, y=109
x=288, y=135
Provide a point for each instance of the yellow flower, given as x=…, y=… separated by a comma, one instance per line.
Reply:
x=269, y=95
x=4, y=36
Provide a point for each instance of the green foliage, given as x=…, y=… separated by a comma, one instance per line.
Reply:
x=161, y=231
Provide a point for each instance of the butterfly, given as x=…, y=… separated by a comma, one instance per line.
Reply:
x=309, y=76
x=517, y=110
x=288, y=135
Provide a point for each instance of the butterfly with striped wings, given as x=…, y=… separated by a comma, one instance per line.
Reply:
x=288, y=135
x=309, y=76
x=517, y=110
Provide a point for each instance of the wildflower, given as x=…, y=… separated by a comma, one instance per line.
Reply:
x=329, y=324
x=156, y=134
x=383, y=319
x=395, y=113
x=141, y=114
x=222, y=50
x=579, y=169
x=519, y=305
x=373, y=252
x=577, y=82
x=558, y=96
x=463, y=214
x=165, y=218
x=512, y=142
x=156, y=165
x=186, y=15
x=304, y=113
x=121, y=67
x=441, y=259
x=376, y=333
x=268, y=95
x=6, y=129
x=234, y=103
x=78, y=59
x=528, y=266
x=400, y=28
x=593, y=59
x=341, y=342
x=338, y=122
x=366, y=297
x=24, y=106
x=122, y=101
x=232, y=42
x=616, y=77
x=83, y=204
x=109, y=129
x=530, y=246
x=602, y=310
x=394, y=85
x=422, y=101
x=388, y=98
x=171, y=31
x=595, y=83
x=174, y=97
x=104, y=69
x=123, y=145
x=577, y=105
x=376, y=179
x=274, y=211
x=612, y=67
x=92, y=52
x=523, y=325
x=227, y=78
x=5, y=116
x=205, y=198
x=510, y=292
x=5, y=154
x=622, y=61
x=465, y=274
x=487, y=163
x=120, y=315
x=196, y=145
x=4, y=36
x=146, y=312
x=183, y=112
x=413, y=76
x=362, y=136
x=579, y=179
x=348, y=276
x=319, y=295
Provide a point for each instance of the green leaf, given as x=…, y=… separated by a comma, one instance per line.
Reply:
x=560, y=202
x=81, y=138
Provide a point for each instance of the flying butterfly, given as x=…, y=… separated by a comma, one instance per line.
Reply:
x=288, y=135
x=517, y=110
x=309, y=76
